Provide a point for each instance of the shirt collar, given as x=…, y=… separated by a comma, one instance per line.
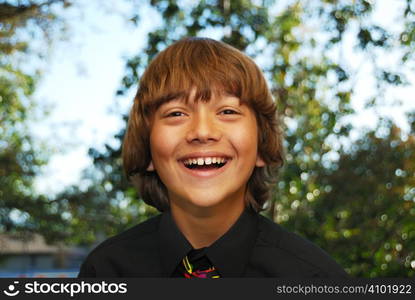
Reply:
x=229, y=254
x=173, y=245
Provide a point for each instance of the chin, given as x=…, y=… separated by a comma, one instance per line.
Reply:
x=204, y=200
x=207, y=198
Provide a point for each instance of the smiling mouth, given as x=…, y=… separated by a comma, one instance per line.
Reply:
x=205, y=163
x=205, y=167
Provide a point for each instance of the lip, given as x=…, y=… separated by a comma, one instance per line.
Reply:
x=205, y=173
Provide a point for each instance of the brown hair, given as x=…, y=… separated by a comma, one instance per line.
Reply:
x=209, y=66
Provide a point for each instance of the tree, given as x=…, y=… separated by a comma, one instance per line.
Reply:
x=20, y=157
x=313, y=89
x=33, y=17
x=103, y=204
x=365, y=207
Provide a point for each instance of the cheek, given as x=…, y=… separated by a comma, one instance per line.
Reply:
x=162, y=143
x=245, y=139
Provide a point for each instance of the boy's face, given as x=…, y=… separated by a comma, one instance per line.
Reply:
x=204, y=153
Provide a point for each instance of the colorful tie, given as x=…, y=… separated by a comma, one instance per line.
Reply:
x=197, y=265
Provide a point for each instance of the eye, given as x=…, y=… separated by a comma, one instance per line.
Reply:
x=175, y=114
x=229, y=111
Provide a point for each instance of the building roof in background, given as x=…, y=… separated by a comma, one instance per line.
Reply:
x=32, y=244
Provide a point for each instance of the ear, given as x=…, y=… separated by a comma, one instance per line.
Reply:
x=150, y=166
x=259, y=161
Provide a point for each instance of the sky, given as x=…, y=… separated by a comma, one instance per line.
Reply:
x=79, y=83
x=84, y=71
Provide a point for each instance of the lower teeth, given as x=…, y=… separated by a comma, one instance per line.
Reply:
x=212, y=166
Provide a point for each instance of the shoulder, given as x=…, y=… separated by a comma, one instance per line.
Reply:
x=139, y=233
x=296, y=255
x=115, y=256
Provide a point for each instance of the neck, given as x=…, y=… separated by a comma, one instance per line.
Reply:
x=203, y=226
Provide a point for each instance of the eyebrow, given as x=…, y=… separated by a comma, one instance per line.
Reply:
x=191, y=103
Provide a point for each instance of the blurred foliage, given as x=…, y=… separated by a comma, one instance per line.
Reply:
x=28, y=17
x=103, y=204
x=362, y=209
x=354, y=198
x=21, y=157
x=19, y=162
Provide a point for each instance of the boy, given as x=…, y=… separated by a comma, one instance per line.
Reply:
x=203, y=146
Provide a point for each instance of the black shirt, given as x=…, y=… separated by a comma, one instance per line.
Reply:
x=253, y=247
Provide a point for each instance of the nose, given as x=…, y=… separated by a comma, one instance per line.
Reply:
x=203, y=128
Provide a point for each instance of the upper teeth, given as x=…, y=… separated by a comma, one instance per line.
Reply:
x=204, y=160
